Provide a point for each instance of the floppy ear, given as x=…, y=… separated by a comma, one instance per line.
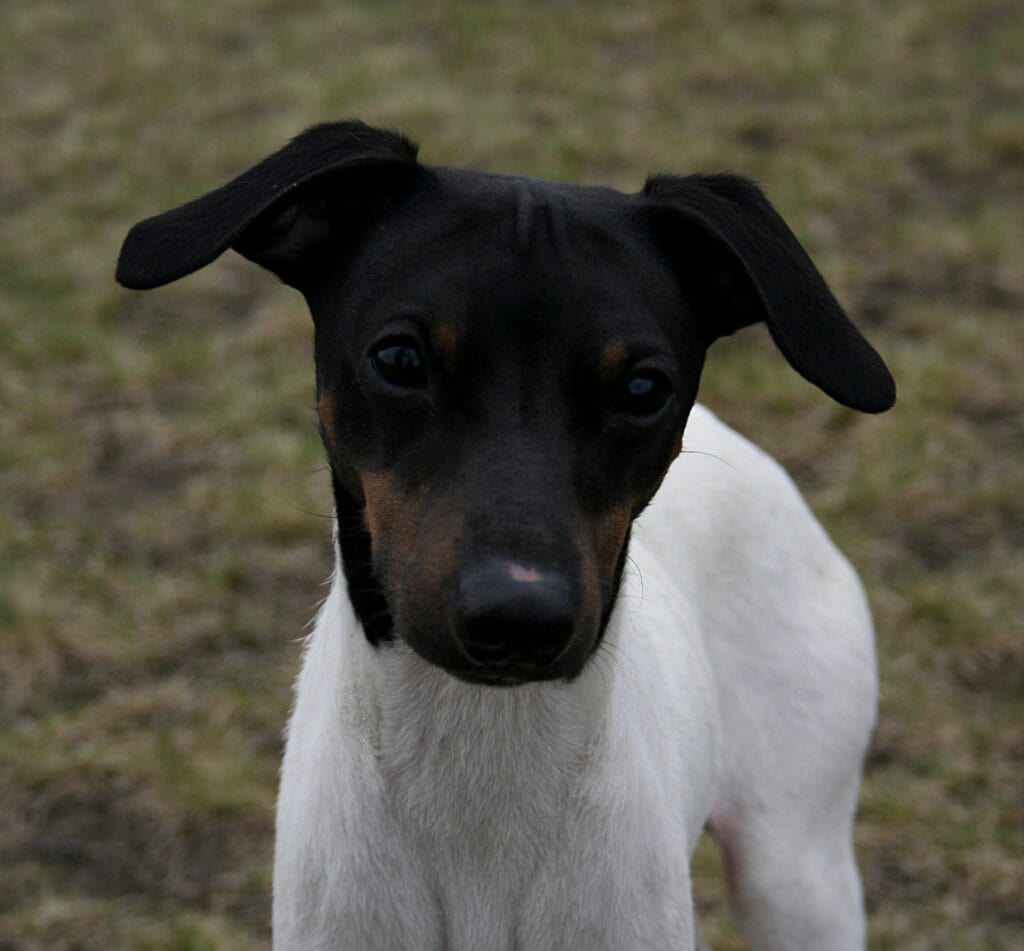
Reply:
x=743, y=264
x=278, y=212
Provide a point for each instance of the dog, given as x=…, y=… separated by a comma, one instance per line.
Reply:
x=523, y=700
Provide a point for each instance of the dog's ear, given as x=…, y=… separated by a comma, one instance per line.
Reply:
x=321, y=185
x=742, y=264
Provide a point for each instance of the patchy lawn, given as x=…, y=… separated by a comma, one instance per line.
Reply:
x=162, y=481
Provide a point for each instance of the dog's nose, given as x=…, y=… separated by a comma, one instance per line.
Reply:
x=508, y=612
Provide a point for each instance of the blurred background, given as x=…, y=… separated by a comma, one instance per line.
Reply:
x=164, y=512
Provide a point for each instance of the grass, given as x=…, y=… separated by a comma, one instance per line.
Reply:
x=159, y=463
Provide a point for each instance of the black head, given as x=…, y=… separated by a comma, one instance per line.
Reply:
x=504, y=369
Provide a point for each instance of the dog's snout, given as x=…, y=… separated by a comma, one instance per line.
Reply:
x=513, y=613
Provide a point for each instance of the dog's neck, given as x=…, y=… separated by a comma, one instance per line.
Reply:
x=489, y=794
x=470, y=768
x=470, y=765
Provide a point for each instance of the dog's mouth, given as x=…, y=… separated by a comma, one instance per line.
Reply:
x=511, y=665
x=442, y=648
x=507, y=677
x=504, y=673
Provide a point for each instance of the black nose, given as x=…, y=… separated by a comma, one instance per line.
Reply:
x=510, y=613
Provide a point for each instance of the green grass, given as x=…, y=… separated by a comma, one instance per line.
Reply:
x=160, y=471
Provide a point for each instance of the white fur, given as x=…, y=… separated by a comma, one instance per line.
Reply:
x=736, y=687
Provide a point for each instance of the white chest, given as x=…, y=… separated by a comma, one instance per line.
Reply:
x=420, y=812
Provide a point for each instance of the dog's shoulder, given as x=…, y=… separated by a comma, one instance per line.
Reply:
x=736, y=528
x=722, y=484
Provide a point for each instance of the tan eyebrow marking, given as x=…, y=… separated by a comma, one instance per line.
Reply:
x=613, y=357
x=446, y=343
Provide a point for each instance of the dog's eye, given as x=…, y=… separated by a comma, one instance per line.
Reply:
x=400, y=362
x=644, y=395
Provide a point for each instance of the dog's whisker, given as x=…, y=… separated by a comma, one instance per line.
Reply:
x=299, y=508
x=701, y=452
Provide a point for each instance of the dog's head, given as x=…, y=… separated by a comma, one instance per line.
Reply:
x=504, y=369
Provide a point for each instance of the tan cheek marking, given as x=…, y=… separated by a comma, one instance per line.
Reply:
x=599, y=542
x=590, y=572
x=613, y=357
x=609, y=534
x=439, y=557
x=446, y=343
x=677, y=446
x=391, y=516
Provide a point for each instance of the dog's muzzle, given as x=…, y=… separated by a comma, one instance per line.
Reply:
x=512, y=620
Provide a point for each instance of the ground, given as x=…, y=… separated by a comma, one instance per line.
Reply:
x=164, y=505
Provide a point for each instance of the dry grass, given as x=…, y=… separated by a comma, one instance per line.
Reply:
x=158, y=460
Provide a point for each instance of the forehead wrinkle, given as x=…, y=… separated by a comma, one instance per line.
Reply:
x=538, y=217
x=575, y=264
